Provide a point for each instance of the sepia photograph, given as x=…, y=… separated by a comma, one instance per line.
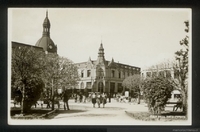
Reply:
x=99, y=66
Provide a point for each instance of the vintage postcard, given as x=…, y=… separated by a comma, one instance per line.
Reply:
x=99, y=66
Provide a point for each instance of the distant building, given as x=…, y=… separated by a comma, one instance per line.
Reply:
x=103, y=76
x=162, y=70
x=45, y=43
x=20, y=45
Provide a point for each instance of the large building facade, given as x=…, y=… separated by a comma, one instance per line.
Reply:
x=103, y=76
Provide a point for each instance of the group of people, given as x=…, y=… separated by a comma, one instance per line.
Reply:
x=80, y=97
x=99, y=99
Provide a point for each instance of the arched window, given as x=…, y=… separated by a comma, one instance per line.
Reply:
x=100, y=87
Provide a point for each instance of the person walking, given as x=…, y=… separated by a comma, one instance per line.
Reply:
x=76, y=96
x=104, y=99
x=81, y=98
x=99, y=100
x=47, y=101
x=109, y=96
x=66, y=97
x=94, y=99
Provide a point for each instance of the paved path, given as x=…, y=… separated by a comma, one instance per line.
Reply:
x=85, y=114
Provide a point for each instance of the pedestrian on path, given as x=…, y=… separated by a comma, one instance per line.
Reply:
x=81, y=98
x=76, y=96
x=99, y=100
x=66, y=97
x=48, y=103
x=93, y=99
x=104, y=99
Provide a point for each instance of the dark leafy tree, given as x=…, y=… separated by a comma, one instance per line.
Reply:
x=27, y=70
x=156, y=92
x=59, y=72
x=181, y=69
x=133, y=83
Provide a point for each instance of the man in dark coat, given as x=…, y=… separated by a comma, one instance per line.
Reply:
x=66, y=97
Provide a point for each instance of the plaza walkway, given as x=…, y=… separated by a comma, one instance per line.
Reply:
x=84, y=114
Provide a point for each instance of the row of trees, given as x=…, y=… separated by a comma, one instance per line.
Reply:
x=157, y=90
x=33, y=71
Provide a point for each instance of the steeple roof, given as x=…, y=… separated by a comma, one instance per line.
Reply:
x=45, y=41
x=101, y=59
x=46, y=22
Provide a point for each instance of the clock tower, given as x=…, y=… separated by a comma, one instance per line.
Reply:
x=45, y=41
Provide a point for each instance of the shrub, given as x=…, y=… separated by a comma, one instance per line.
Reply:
x=157, y=91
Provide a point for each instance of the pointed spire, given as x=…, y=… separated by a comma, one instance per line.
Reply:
x=111, y=62
x=46, y=25
x=47, y=13
x=89, y=59
x=112, y=59
x=101, y=58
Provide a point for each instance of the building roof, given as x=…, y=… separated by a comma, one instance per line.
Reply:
x=17, y=44
x=110, y=64
x=101, y=61
x=45, y=41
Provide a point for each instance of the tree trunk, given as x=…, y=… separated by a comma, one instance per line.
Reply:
x=139, y=95
x=22, y=102
x=185, y=108
x=139, y=98
x=52, y=95
x=52, y=103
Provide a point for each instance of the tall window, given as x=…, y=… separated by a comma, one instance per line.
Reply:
x=113, y=73
x=119, y=74
x=82, y=73
x=88, y=73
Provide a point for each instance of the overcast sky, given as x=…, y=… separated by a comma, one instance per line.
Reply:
x=137, y=37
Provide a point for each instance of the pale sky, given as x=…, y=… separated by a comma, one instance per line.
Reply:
x=138, y=37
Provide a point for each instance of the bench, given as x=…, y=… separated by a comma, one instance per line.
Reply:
x=176, y=105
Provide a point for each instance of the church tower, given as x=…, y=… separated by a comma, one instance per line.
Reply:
x=45, y=41
x=101, y=58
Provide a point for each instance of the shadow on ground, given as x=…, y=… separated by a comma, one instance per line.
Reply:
x=70, y=111
x=37, y=112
